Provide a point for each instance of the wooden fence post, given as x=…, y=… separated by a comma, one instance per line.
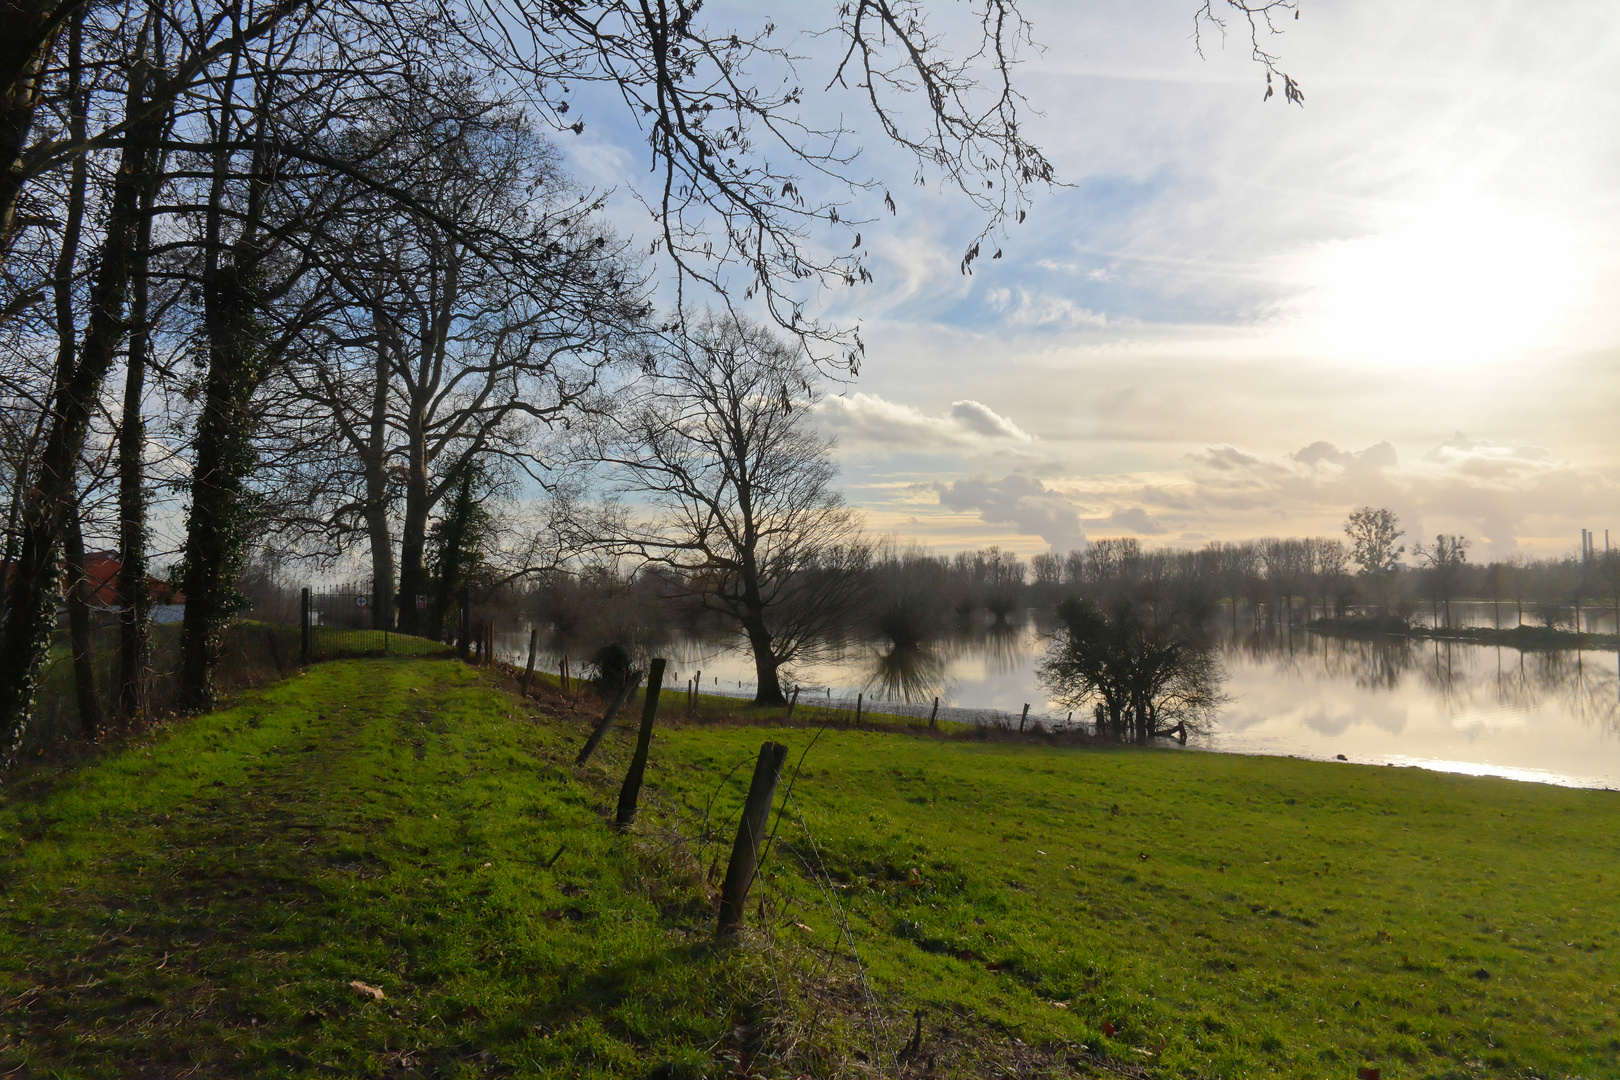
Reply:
x=630, y=683
x=631, y=792
x=534, y=646
x=859, y=696
x=1024, y=718
x=562, y=674
x=463, y=622
x=792, y=701
x=305, y=631
x=933, y=717
x=756, y=817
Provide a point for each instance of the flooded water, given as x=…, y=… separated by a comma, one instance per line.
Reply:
x=1552, y=717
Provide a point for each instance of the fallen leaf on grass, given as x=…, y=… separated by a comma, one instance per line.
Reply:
x=1108, y=1029
x=803, y=927
x=1058, y=1004
x=365, y=991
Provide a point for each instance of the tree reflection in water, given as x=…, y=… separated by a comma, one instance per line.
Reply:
x=1584, y=684
x=912, y=674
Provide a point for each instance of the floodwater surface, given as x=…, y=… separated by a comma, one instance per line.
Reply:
x=1549, y=716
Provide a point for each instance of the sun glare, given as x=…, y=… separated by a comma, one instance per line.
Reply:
x=1462, y=282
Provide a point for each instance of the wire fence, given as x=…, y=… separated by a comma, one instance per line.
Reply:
x=848, y=707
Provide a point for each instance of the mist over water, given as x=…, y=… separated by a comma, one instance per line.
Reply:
x=1550, y=716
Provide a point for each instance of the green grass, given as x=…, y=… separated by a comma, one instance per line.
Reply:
x=203, y=901
x=1260, y=916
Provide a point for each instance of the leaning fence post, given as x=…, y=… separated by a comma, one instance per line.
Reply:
x=534, y=645
x=562, y=673
x=858, y=700
x=631, y=792
x=303, y=628
x=1024, y=718
x=750, y=832
x=933, y=717
x=792, y=701
x=630, y=683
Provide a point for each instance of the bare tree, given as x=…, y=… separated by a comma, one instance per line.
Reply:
x=1373, y=535
x=482, y=311
x=33, y=588
x=1606, y=572
x=756, y=191
x=736, y=491
x=30, y=30
x=1444, y=560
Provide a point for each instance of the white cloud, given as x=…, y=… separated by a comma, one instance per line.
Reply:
x=981, y=418
x=1499, y=494
x=967, y=425
x=1023, y=502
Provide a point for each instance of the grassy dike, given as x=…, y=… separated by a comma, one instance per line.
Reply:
x=202, y=902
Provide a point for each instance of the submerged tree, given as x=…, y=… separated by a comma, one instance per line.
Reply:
x=1444, y=561
x=1144, y=679
x=739, y=492
x=1373, y=535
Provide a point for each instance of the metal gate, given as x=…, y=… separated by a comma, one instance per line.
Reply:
x=343, y=622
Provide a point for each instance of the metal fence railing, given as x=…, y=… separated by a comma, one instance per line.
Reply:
x=349, y=622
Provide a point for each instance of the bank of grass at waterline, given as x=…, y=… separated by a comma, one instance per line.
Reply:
x=1206, y=914
x=1523, y=637
x=1047, y=910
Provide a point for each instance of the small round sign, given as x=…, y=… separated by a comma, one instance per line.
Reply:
x=361, y=601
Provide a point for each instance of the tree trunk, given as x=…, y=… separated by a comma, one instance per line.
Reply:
x=28, y=30
x=378, y=532
x=413, y=543
x=219, y=520
x=382, y=565
x=36, y=579
x=79, y=635
x=450, y=570
x=67, y=332
x=769, y=685
x=134, y=590
x=221, y=508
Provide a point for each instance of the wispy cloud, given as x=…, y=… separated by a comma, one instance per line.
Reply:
x=1054, y=312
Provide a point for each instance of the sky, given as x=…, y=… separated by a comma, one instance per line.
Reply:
x=1243, y=318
